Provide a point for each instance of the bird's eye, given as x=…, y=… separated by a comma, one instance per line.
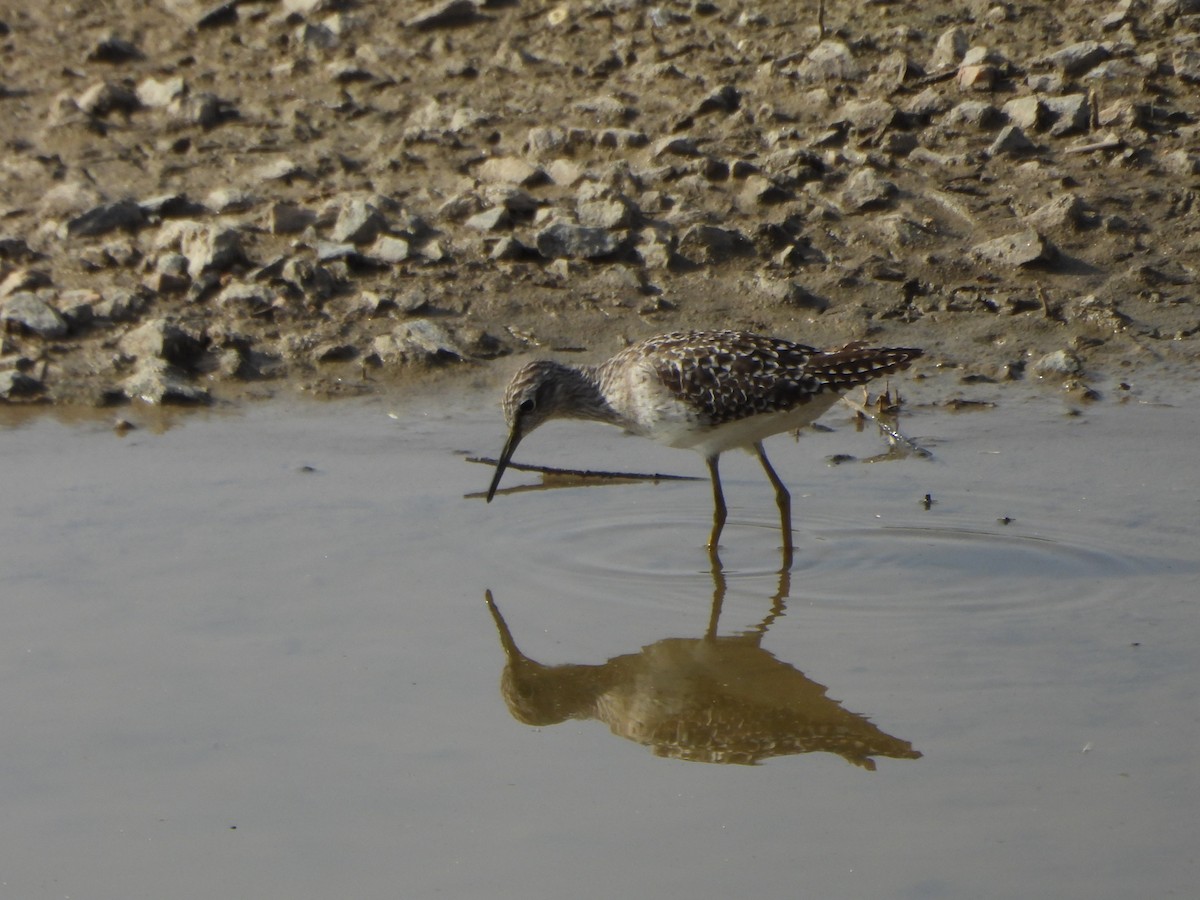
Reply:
x=527, y=405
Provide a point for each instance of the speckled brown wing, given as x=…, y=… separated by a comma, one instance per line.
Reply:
x=856, y=363
x=731, y=375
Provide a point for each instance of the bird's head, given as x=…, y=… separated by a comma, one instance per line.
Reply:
x=535, y=394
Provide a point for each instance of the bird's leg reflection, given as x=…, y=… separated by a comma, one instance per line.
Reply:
x=708, y=699
x=778, y=601
x=718, y=598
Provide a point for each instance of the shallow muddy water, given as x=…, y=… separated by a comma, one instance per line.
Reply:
x=251, y=656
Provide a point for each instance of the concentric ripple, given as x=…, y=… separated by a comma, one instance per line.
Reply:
x=617, y=542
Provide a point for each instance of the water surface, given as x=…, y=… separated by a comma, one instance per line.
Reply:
x=251, y=656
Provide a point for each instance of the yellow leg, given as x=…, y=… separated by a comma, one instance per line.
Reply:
x=782, y=498
x=719, y=511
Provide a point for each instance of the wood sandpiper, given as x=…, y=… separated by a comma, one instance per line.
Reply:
x=708, y=391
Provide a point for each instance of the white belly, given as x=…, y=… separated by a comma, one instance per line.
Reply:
x=653, y=411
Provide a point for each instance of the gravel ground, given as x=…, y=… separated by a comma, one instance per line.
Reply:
x=204, y=201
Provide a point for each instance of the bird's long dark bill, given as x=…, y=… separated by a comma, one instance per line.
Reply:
x=510, y=445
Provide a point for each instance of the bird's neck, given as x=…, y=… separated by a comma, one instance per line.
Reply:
x=581, y=395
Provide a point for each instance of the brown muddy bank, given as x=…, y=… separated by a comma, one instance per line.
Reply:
x=205, y=201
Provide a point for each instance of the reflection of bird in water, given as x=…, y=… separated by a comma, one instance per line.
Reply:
x=710, y=699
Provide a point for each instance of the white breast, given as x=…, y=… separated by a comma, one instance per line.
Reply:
x=650, y=409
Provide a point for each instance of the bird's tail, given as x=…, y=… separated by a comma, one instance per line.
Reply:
x=857, y=364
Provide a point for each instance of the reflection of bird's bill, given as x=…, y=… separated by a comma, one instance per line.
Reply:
x=510, y=447
x=554, y=478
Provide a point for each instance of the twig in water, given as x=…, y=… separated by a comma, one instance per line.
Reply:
x=892, y=434
x=584, y=473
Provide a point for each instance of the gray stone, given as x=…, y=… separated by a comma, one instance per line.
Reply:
x=204, y=109
x=316, y=282
x=230, y=200
x=244, y=299
x=1173, y=9
x=563, y=240
x=980, y=55
x=711, y=244
x=977, y=77
x=829, y=61
x=105, y=218
x=328, y=251
x=78, y=306
x=1078, y=58
x=868, y=116
x=154, y=93
x=446, y=14
x=1184, y=163
x=157, y=381
x=1062, y=213
x=121, y=305
x=171, y=206
x=726, y=98
x=1025, y=112
x=1118, y=17
x=15, y=249
x=114, y=49
x=28, y=312
x=1098, y=312
x=460, y=206
x=282, y=169
x=16, y=385
x=308, y=7
x=1125, y=113
x=866, y=190
x=949, y=49
x=317, y=36
x=606, y=212
x=791, y=293
x=621, y=138
x=358, y=222
x=656, y=247
x=433, y=251
x=509, y=248
x=606, y=109
x=1024, y=248
x=418, y=340
x=929, y=103
x=24, y=280
x=674, y=146
x=515, y=200
x=760, y=190
x=289, y=218
x=1187, y=65
x=902, y=231
x=165, y=339
x=210, y=249
x=1068, y=114
x=975, y=114
x=1060, y=362
x=390, y=250
x=105, y=98
x=170, y=274
x=492, y=219
x=545, y=140
x=1045, y=82
x=1011, y=141
x=510, y=170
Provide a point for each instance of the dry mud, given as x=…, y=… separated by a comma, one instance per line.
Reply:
x=207, y=201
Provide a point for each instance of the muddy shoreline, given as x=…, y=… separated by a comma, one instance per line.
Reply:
x=219, y=202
